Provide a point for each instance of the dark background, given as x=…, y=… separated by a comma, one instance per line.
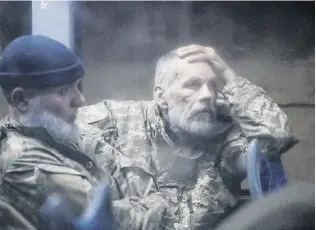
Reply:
x=289, y=25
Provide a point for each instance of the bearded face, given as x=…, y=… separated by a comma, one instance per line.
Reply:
x=58, y=128
x=191, y=101
x=198, y=120
x=54, y=109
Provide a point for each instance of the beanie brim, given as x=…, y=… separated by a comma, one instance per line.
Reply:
x=38, y=80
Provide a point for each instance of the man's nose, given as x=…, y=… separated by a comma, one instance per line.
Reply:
x=205, y=94
x=79, y=100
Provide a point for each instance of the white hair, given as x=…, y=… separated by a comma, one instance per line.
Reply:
x=59, y=129
x=166, y=70
x=182, y=121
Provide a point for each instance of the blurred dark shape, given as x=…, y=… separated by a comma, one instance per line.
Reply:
x=97, y=216
x=146, y=30
x=291, y=208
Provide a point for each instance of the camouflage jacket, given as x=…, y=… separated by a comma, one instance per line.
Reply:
x=202, y=181
x=34, y=165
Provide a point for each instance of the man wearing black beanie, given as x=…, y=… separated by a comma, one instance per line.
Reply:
x=42, y=151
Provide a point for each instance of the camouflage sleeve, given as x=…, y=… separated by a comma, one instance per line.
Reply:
x=29, y=186
x=139, y=205
x=151, y=212
x=97, y=121
x=258, y=115
x=35, y=175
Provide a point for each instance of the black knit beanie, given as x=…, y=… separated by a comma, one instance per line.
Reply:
x=37, y=62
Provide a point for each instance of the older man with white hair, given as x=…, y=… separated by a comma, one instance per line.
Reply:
x=192, y=135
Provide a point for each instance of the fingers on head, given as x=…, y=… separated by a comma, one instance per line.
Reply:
x=189, y=50
x=199, y=57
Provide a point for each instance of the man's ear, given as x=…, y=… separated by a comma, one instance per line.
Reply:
x=19, y=99
x=159, y=97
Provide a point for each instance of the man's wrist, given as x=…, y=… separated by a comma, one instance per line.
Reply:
x=233, y=84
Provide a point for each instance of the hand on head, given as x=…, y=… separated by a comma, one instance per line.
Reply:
x=198, y=53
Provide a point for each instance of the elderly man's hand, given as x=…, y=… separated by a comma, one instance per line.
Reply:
x=197, y=53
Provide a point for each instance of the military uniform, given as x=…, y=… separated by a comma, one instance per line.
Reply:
x=34, y=166
x=201, y=180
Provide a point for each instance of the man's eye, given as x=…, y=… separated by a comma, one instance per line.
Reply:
x=192, y=85
x=63, y=91
x=212, y=85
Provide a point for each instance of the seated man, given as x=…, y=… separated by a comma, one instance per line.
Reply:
x=42, y=152
x=193, y=135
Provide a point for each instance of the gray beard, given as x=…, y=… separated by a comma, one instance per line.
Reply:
x=202, y=125
x=59, y=129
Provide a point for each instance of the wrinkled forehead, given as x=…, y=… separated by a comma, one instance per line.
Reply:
x=198, y=70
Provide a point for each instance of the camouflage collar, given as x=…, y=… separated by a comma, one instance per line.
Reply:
x=157, y=124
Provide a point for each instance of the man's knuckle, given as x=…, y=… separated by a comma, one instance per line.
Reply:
x=194, y=46
x=211, y=50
